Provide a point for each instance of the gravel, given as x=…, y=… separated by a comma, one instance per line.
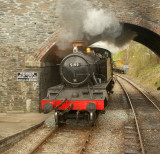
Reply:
x=50, y=122
x=26, y=144
x=108, y=137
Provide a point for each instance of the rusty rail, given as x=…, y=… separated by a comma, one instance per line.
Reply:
x=43, y=141
x=135, y=117
x=142, y=93
x=86, y=140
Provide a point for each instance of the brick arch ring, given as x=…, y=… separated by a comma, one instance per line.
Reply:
x=137, y=21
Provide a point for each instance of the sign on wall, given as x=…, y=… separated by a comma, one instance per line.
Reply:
x=27, y=76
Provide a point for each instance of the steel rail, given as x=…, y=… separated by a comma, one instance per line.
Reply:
x=135, y=117
x=83, y=147
x=142, y=92
x=43, y=140
x=56, y=129
x=151, y=95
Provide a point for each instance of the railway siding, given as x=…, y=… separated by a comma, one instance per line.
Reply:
x=147, y=116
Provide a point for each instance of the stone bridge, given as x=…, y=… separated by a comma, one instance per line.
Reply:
x=28, y=33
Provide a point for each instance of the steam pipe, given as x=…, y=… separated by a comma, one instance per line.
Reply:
x=94, y=78
x=56, y=108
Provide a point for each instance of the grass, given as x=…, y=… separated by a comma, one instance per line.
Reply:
x=148, y=76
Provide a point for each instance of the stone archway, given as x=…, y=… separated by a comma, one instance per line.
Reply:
x=148, y=34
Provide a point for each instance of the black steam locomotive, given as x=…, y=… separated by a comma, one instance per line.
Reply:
x=87, y=79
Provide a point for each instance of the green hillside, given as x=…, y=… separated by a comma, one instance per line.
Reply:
x=144, y=65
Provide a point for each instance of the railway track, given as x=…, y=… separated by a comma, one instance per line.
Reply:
x=153, y=100
x=65, y=139
x=143, y=134
x=110, y=130
x=43, y=141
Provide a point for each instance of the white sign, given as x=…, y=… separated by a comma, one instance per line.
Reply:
x=27, y=76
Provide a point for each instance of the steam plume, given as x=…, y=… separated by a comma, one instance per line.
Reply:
x=80, y=21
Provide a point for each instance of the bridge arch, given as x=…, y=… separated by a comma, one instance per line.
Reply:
x=148, y=34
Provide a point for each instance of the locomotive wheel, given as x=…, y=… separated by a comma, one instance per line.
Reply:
x=56, y=118
x=59, y=119
x=92, y=118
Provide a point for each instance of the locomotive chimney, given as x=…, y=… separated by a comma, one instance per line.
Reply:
x=78, y=46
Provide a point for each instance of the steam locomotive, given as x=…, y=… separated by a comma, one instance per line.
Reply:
x=87, y=79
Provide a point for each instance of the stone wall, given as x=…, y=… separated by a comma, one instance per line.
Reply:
x=148, y=9
x=138, y=12
x=11, y=91
x=23, y=95
x=24, y=26
x=27, y=23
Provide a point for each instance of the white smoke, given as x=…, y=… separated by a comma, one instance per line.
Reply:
x=109, y=46
x=98, y=22
x=80, y=21
x=71, y=16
